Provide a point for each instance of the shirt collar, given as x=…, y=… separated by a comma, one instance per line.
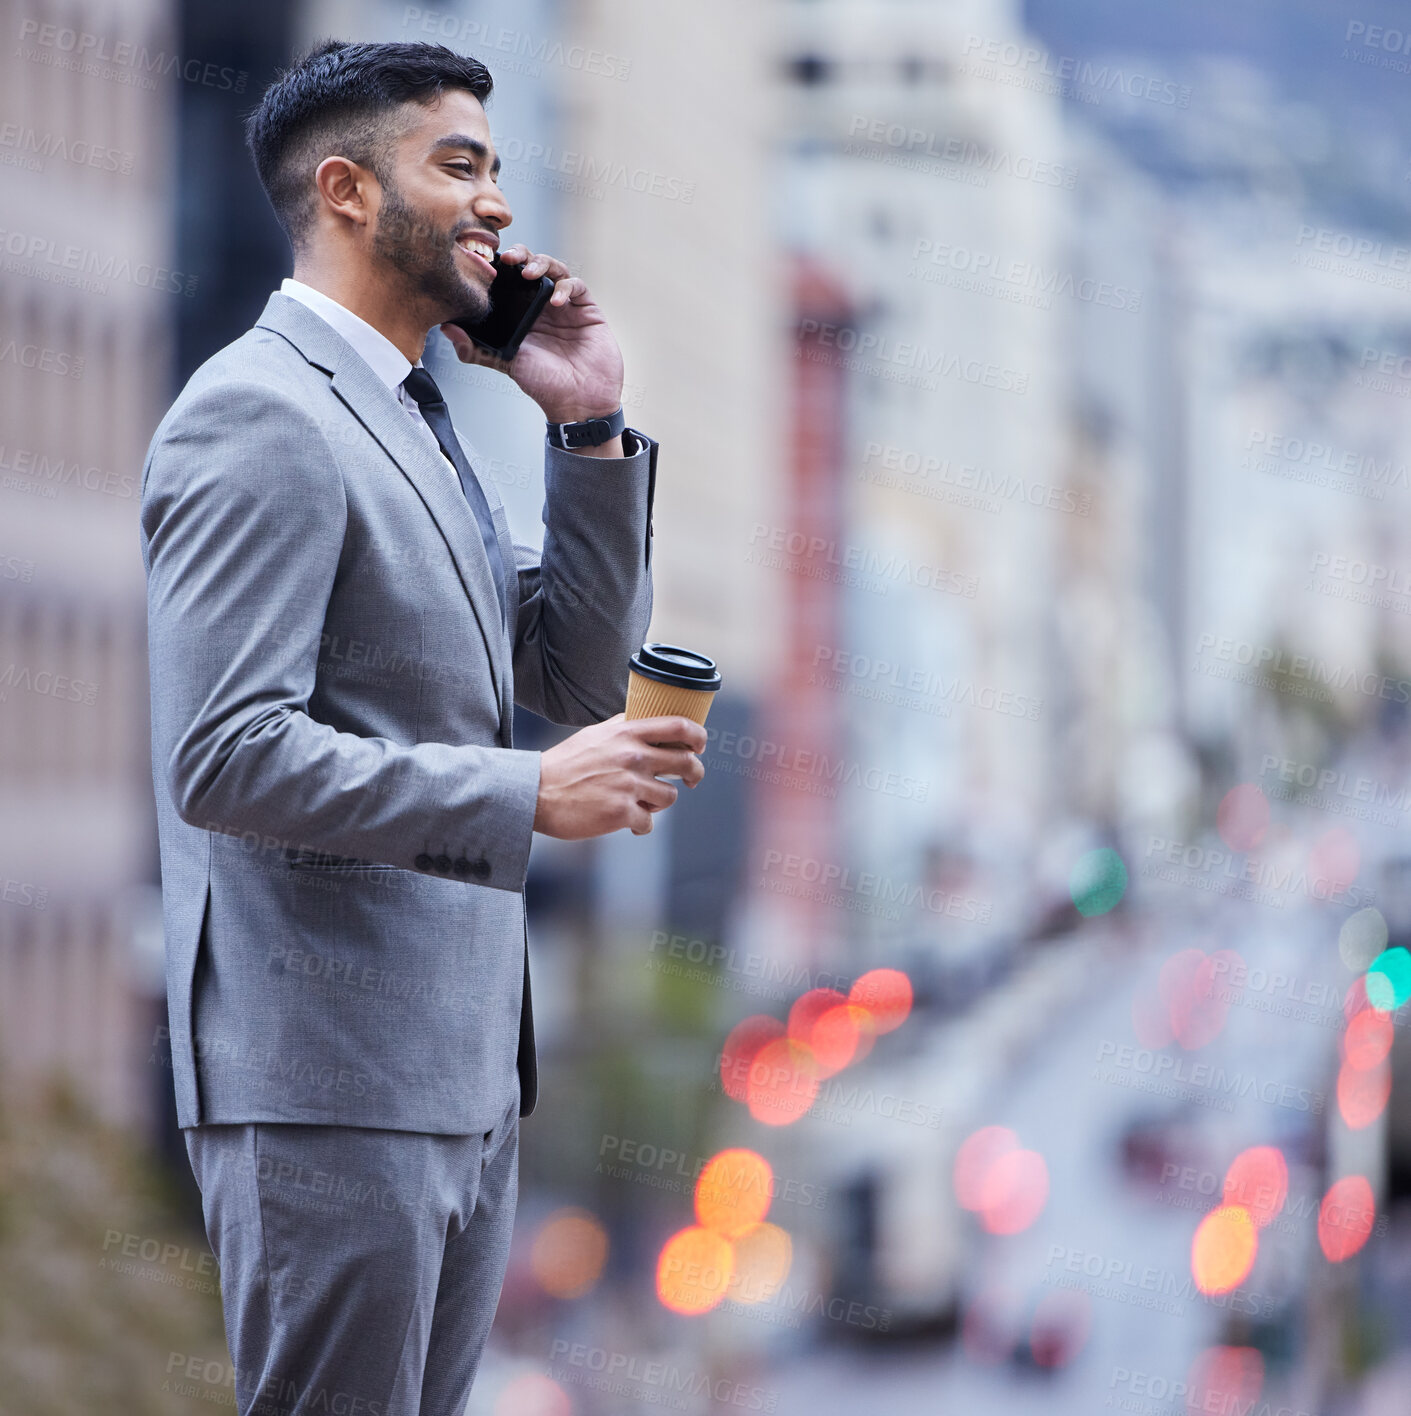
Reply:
x=377, y=351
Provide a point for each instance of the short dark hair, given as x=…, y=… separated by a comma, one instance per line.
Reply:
x=342, y=98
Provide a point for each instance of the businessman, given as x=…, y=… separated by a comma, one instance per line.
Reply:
x=340, y=623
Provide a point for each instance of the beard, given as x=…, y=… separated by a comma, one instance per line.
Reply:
x=426, y=259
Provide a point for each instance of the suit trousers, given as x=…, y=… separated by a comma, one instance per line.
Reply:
x=360, y=1268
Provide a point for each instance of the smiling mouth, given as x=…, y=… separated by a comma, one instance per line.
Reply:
x=480, y=253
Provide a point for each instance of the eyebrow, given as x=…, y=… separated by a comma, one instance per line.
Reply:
x=462, y=140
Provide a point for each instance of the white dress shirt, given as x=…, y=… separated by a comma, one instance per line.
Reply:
x=376, y=350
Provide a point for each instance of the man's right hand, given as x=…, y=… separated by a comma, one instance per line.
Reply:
x=605, y=777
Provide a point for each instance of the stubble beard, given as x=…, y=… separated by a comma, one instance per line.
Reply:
x=425, y=259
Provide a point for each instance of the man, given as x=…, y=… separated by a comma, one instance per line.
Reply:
x=339, y=626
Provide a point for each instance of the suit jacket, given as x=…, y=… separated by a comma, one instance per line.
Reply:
x=344, y=821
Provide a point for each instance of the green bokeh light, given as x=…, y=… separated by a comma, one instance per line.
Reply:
x=1389, y=980
x=1098, y=881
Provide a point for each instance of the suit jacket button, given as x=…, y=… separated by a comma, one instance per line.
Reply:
x=423, y=862
x=442, y=863
x=461, y=866
x=481, y=869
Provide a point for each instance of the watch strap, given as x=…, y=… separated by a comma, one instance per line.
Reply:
x=588, y=433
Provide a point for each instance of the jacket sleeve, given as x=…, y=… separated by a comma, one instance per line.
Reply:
x=243, y=521
x=586, y=602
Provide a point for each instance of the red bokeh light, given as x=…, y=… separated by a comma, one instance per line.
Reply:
x=1367, y=1040
x=1258, y=1179
x=1013, y=1191
x=977, y=1153
x=886, y=994
x=783, y=1082
x=1334, y=861
x=1242, y=817
x=1345, y=1218
x=741, y=1048
x=1362, y=1094
x=1224, y=1379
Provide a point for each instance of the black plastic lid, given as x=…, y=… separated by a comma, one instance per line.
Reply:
x=682, y=668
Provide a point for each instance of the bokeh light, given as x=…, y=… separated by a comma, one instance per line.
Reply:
x=1367, y=1040
x=808, y=1008
x=1363, y=1093
x=741, y=1048
x=840, y=1037
x=733, y=1192
x=887, y=996
x=1013, y=1192
x=1242, y=818
x=1258, y=1180
x=1097, y=881
x=568, y=1253
x=1334, y=861
x=694, y=1270
x=1345, y=1218
x=973, y=1159
x=1362, y=937
x=1389, y=979
x=783, y=1082
x=533, y=1395
x=1224, y=1379
x=763, y=1256
x=1224, y=1249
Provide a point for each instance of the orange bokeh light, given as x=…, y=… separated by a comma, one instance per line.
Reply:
x=568, y=1253
x=694, y=1270
x=1258, y=1179
x=841, y=1036
x=886, y=994
x=1362, y=1094
x=763, y=1256
x=733, y=1192
x=808, y=1008
x=1013, y=1192
x=1368, y=1039
x=977, y=1153
x=783, y=1082
x=1345, y=1218
x=1225, y=1379
x=1224, y=1249
x=741, y=1048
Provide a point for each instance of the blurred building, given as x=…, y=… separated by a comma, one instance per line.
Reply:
x=90, y=290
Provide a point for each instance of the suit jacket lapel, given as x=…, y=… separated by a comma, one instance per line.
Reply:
x=377, y=408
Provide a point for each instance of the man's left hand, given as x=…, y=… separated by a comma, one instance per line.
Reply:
x=569, y=363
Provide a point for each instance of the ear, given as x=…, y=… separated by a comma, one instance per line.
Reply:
x=346, y=189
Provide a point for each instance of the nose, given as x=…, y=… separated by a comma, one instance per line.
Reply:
x=492, y=207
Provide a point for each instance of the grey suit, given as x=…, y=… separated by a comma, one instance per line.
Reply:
x=344, y=822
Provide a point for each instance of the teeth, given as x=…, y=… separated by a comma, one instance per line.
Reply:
x=481, y=249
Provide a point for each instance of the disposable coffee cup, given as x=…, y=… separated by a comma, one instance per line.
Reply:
x=666, y=679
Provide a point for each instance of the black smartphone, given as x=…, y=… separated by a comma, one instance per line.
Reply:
x=515, y=303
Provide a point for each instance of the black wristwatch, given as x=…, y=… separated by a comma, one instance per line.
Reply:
x=589, y=433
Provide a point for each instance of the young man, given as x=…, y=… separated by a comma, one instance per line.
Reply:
x=339, y=626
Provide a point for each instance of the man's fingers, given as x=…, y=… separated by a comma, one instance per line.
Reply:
x=671, y=728
x=654, y=795
x=641, y=821
x=680, y=762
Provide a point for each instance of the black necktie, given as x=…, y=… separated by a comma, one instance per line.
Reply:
x=422, y=387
